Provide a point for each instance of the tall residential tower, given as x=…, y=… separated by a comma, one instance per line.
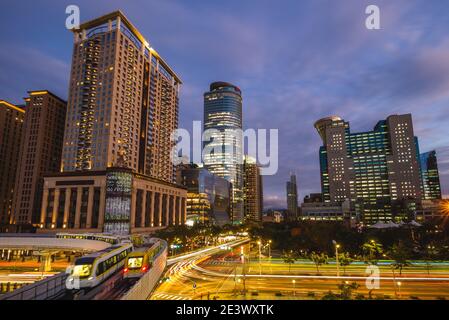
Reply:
x=40, y=154
x=11, y=126
x=123, y=101
x=117, y=174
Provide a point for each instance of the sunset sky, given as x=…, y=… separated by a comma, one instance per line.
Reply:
x=295, y=62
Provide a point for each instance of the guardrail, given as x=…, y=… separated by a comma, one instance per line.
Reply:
x=146, y=284
x=42, y=290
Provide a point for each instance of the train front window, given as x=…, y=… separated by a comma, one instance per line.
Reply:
x=82, y=271
x=135, y=262
x=83, y=267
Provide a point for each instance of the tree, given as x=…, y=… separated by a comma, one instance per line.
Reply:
x=344, y=260
x=372, y=250
x=346, y=289
x=289, y=257
x=318, y=259
x=430, y=254
x=400, y=254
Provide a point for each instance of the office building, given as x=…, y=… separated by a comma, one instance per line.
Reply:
x=292, y=198
x=431, y=189
x=11, y=126
x=223, y=113
x=117, y=173
x=252, y=190
x=377, y=171
x=40, y=154
x=208, y=195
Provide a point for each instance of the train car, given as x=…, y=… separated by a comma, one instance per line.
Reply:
x=92, y=269
x=140, y=260
x=89, y=236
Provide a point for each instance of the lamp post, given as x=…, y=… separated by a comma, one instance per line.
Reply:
x=269, y=249
x=336, y=256
x=260, y=252
x=399, y=288
x=294, y=287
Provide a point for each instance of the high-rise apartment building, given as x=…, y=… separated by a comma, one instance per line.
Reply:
x=40, y=154
x=292, y=198
x=123, y=101
x=252, y=190
x=117, y=173
x=431, y=189
x=11, y=126
x=223, y=114
x=377, y=171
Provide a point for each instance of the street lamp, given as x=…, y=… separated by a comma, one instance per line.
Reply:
x=294, y=287
x=336, y=256
x=260, y=253
x=399, y=288
x=269, y=249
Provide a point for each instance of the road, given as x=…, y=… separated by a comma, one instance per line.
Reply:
x=222, y=275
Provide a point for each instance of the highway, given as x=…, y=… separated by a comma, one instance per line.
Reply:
x=116, y=286
x=223, y=276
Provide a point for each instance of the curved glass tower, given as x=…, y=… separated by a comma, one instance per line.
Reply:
x=223, y=113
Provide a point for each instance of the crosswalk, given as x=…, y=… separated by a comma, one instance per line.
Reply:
x=164, y=296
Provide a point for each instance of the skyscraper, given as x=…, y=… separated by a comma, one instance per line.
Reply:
x=11, y=125
x=123, y=101
x=252, y=190
x=377, y=171
x=117, y=174
x=40, y=154
x=430, y=176
x=292, y=198
x=223, y=113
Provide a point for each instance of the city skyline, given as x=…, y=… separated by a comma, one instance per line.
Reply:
x=361, y=98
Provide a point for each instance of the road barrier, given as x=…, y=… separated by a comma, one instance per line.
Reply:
x=48, y=288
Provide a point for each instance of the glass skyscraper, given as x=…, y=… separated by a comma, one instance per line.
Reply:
x=223, y=113
x=429, y=175
x=208, y=195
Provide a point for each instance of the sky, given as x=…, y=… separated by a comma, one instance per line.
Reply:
x=295, y=62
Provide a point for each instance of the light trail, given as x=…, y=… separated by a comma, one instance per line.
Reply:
x=219, y=274
x=204, y=251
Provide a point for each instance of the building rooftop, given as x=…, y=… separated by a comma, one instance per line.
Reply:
x=114, y=15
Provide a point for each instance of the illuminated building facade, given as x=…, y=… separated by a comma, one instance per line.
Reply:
x=123, y=102
x=11, y=126
x=117, y=174
x=431, y=189
x=117, y=201
x=223, y=113
x=208, y=195
x=41, y=150
x=292, y=198
x=252, y=190
x=377, y=171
